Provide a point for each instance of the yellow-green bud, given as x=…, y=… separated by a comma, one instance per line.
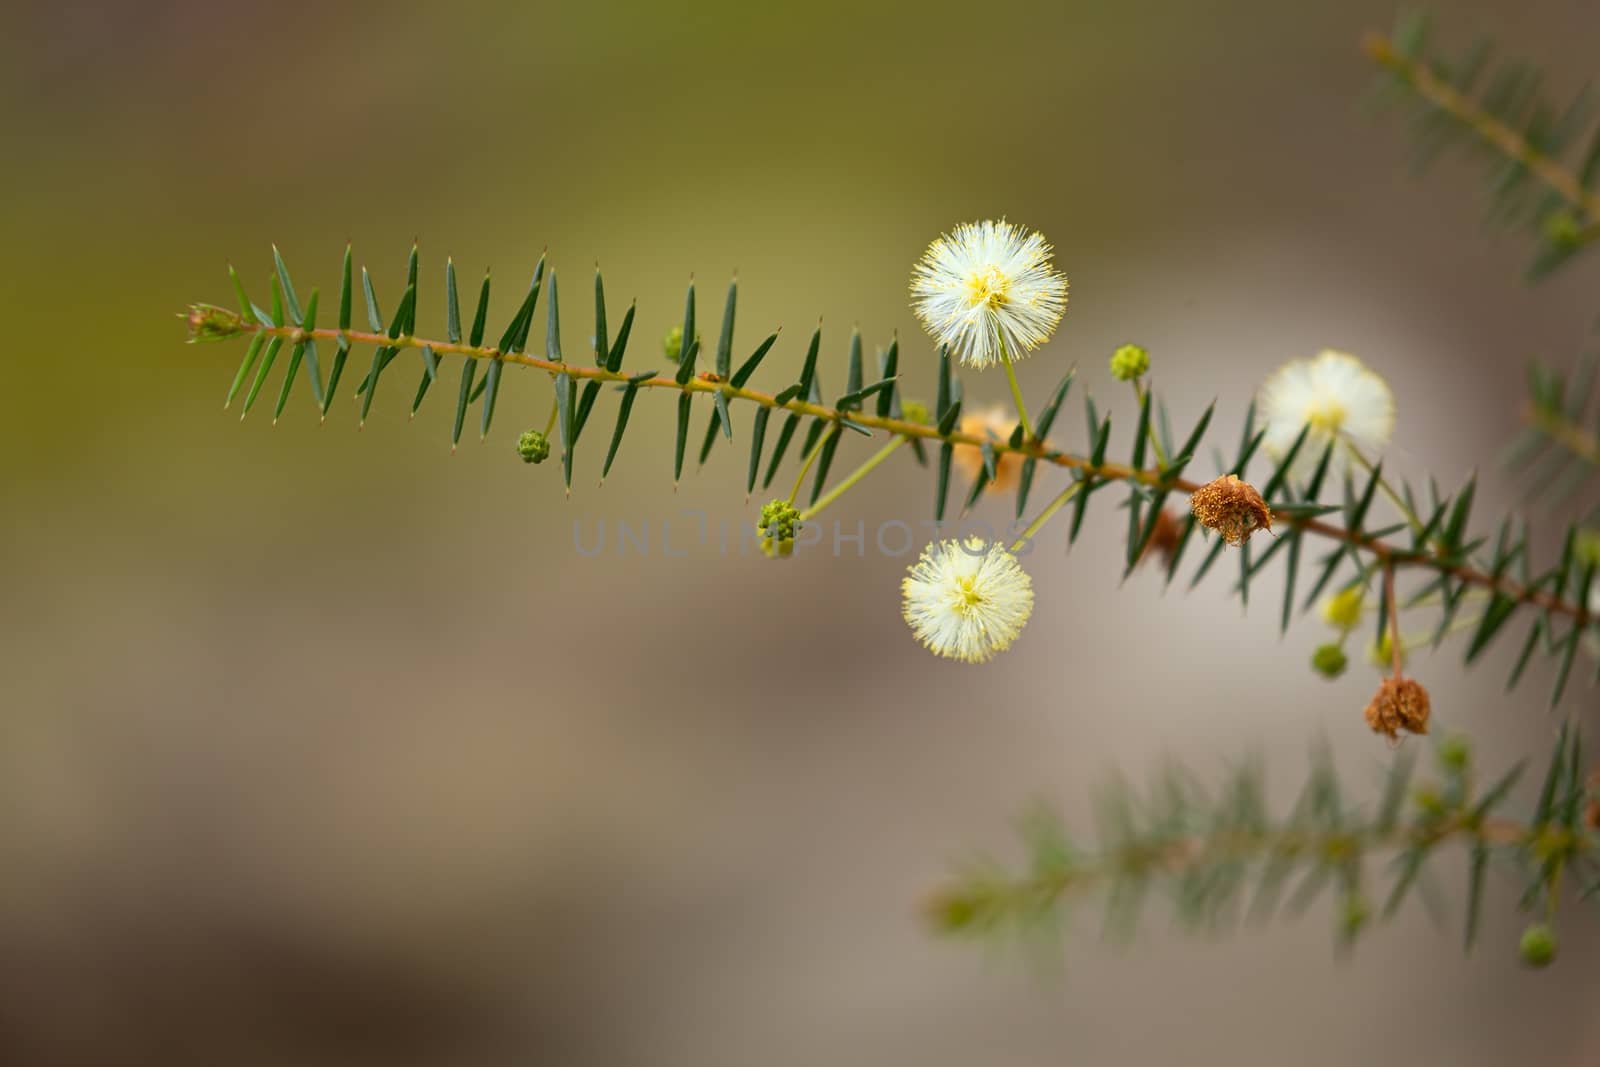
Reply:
x=1455, y=753
x=1428, y=799
x=915, y=411
x=533, y=447
x=1560, y=227
x=1129, y=362
x=1329, y=660
x=1586, y=546
x=672, y=343
x=1343, y=609
x=1353, y=914
x=1538, y=945
x=1381, y=654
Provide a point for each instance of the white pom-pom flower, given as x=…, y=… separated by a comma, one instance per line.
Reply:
x=967, y=600
x=1338, y=397
x=988, y=288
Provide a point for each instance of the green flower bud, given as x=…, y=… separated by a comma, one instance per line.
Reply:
x=1329, y=660
x=207, y=322
x=1538, y=945
x=1381, y=654
x=1353, y=914
x=1129, y=362
x=1560, y=227
x=1455, y=753
x=672, y=343
x=1343, y=609
x=533, y=447
x=1428, y=799
x=915, y=411
x=951, y=913
x=1586, y=546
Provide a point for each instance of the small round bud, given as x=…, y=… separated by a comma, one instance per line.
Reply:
x=915, y=411
x=1538, y=945
x=1455, y=753
x=1586, y=546
x=1560, y=227
x=1129, y=363
x=1353, y=914
x=533, y=447
x=1343, y=609
x=1329, y=660
x=672, y=343
x=1428, y=799
x=1381, y=653
x=951, y=912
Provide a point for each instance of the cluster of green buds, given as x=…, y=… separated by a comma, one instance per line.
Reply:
x=533, y=446
x=777, y=525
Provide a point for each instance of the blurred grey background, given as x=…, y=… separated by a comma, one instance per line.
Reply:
x=325, y=747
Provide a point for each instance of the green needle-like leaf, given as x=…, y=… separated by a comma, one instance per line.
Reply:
x=682, y=436
x=824, y=461
x=725, y=340
x=250, y=354
x=345, y=293
x=564, y=390
x=491, y=393
x=785, y=435
x=758, y=433
x=888, y=369
x=295, y=315
x=614, y=360
x=742, y=375
x=629, y=391
x=261, y=373
x=295, y=355
x=552, y=325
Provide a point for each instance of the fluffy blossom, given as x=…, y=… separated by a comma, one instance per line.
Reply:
x=988, y=286
x=967, y=600
x=1338, y=396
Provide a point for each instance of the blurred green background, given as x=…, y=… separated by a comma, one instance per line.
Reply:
x=326, y=747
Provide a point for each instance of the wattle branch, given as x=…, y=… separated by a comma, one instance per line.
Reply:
x=1161, y=478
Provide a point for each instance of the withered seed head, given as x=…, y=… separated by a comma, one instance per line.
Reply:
x=1400, y=704
x=1232, y=508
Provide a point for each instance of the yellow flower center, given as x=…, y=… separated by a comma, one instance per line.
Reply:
x=1326, y=415
x=988, y=288
x=969, y=597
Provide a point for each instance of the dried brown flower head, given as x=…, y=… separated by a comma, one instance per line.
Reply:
x=1232, y=508
x=1400, y=704
x=1164, y=538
